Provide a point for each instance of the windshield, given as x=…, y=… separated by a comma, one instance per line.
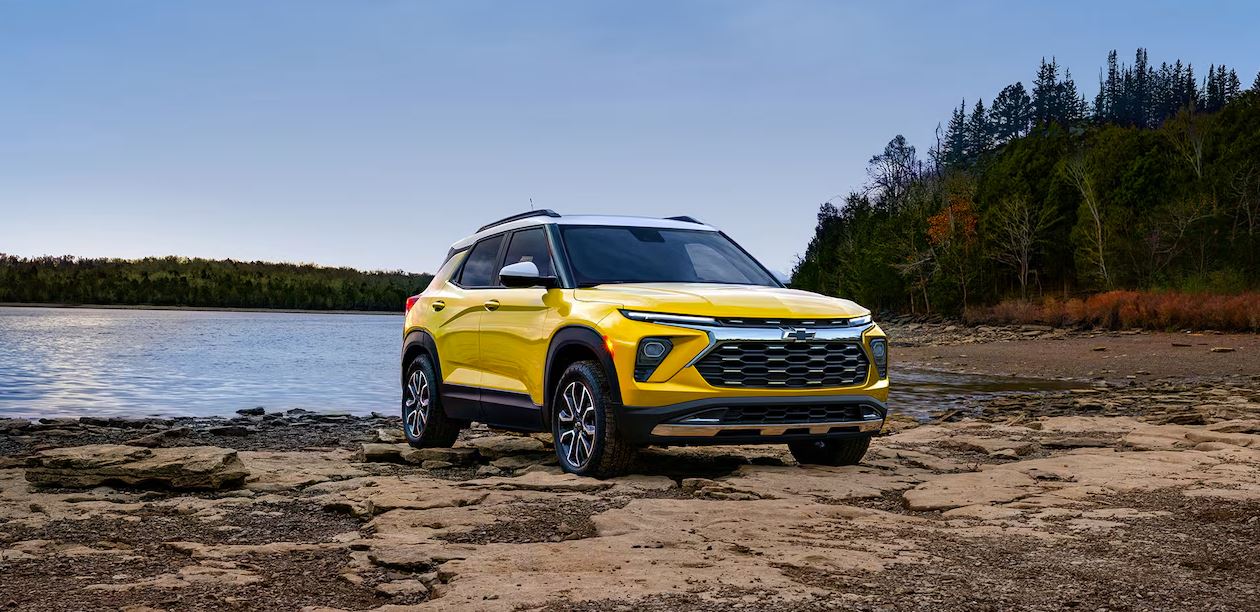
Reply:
x=611, y=254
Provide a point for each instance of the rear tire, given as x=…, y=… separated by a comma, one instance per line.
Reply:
x=831, y=451
x=584, y=424
x=424, y=421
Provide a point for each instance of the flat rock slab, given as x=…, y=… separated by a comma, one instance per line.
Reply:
x=283, y=471
x=381, y=453
x=516, y=462
x=453, y=456
x=187, y=467
x=14, y=424
x=990, y=446
x=969, y=488
x=539, y=481
x=494, y=447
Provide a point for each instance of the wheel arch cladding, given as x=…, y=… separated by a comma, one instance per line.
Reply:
x=572, y=344
x=419, y=342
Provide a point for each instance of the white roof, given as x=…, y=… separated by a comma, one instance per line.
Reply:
x=606, y=220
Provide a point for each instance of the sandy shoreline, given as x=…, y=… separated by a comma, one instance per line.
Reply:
x=1141, y=492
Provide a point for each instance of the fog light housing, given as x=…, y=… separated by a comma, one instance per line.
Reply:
x=651, y=352
x=879, y=352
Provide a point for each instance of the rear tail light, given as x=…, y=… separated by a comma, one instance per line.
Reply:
x=411, y=301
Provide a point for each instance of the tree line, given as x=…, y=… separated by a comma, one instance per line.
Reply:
x=181, y=281
x=1153, y=185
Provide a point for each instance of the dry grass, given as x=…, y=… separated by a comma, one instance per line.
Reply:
x=1132, y=309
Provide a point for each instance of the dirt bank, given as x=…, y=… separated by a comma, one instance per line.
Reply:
x=1141, y=494
x=1112, y=356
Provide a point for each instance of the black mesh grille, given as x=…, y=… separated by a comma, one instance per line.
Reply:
x=789, y=365
x=791, y=414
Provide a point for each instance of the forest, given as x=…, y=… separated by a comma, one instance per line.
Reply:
x=1151, y=186
x=181, y=281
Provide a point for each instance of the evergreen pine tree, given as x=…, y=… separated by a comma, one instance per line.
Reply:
x=1190, y=91
x=1233, y=86
x=1045, y=93
x=1141, y=90
x=1111, y=87
x=1214, y=89
x=1255, y=86
x=979, y=134
x=1010, y=113
x=1161, y=93
x=955, y=153
x=1124, y=99
x=1100, y=100
x=1072, y=107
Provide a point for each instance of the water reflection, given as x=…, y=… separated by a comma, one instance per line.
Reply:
x=132, y=362
x=923, y=393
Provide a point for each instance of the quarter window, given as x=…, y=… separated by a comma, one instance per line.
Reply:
x=481, y=269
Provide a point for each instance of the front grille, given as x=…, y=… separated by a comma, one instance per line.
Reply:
x=789, y=365
x=791, y=414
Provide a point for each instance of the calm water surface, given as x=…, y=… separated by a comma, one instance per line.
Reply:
x=75, y=362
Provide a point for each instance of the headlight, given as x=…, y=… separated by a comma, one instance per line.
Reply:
x=879, y=351
x=862, y=320
x=660, y=317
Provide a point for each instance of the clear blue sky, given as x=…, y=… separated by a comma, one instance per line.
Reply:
x=373, y=134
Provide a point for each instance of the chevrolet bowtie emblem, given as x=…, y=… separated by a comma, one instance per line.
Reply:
x=798, y=334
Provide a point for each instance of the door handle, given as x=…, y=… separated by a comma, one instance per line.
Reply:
x=492, y=304
x=438, y=305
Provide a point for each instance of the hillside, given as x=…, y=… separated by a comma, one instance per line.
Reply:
x=179, y=281
x=1153, y=186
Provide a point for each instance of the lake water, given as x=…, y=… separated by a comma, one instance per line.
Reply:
x=79, y=361
x=112, y=362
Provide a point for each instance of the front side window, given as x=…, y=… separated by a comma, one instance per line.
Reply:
x=482, y=270
x=530, y=245
x=609, y=254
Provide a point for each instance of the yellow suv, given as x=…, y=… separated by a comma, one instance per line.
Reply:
x=617, y=332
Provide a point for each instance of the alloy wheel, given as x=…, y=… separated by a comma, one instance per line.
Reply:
x=416, y=403
x=577, y=425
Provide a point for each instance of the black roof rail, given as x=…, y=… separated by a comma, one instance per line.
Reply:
x=525, y=215
x=685, y=219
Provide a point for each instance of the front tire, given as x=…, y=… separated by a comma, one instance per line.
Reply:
x=830, y=451
x=584, y=424
x=424, y=422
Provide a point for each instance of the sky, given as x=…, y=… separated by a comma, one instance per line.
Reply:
x=374, y=134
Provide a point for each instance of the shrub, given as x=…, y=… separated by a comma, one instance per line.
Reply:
x=1132, y=309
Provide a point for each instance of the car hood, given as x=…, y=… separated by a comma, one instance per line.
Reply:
x=718, y=300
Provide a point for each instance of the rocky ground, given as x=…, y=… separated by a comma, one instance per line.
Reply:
x=1136, y=492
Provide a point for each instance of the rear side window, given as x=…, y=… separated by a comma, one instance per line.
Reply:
x=481, y=270
x=530, y=245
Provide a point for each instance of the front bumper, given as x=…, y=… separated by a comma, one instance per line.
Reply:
x=678, y=379
x=752, y=420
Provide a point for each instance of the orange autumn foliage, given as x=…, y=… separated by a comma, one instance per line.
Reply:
x=1131, y=309
x=957, y=221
